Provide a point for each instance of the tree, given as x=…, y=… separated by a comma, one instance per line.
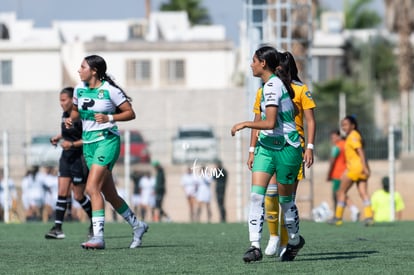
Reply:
x=357, y=17
x=196, y=13
x=400, y=18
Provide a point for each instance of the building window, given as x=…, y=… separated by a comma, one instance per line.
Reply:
x=139, y=72
x=329, y=68
x=5, y=72
x=173, y=71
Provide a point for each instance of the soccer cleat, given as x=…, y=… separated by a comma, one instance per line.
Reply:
x=94, y=243
x=368, y=222
x=272, y=246
x=292, y=250
x=336, y=221
x=281, y=251
x=55, y=233
x=138, y=233
x=253, y=254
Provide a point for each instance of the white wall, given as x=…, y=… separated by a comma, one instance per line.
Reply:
x=33, y=68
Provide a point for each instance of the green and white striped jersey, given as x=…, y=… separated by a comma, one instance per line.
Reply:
x=276, y=94
x=103, y=99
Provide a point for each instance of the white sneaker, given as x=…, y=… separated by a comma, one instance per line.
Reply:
x=138, y=233
x=272, y=246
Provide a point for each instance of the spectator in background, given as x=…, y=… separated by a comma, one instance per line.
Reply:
x=337, y=167
x=33, y=196
x=381, y=203
x=221, y=181
x=189, y=183
x=12, y=195
x=136, y=196
x=203, y=196
x=159, y=213
x=50, y=183
x=147, y=185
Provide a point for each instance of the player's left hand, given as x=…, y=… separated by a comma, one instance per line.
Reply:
x=237, y=127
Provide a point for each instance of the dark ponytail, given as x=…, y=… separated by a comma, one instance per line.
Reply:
x=282, y=71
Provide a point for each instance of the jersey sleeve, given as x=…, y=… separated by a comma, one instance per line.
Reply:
x=355, y=140
x=256, y=106
x=335, y=152
x=75, y=95
x=117, y=96
x=272, y=92
x=306, y=98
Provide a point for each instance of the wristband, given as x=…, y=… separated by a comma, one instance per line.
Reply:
x=111, y=118
x=72, y=145
x=310, y=146
x=251, y=149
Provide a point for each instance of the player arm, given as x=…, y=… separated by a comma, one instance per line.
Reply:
x=74, y=116
x=364, y=162
x=311, y=129
x=253, y=141
x=266, y=124
x=126, y=113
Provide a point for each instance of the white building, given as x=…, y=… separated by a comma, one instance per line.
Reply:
x=163, y=53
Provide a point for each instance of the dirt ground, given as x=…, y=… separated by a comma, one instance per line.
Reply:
x=176, y=205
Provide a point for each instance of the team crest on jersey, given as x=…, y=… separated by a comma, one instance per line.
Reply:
x=101, y=94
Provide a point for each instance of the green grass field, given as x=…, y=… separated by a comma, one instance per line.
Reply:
x=170, y=248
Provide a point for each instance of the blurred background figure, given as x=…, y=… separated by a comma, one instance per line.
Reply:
x=381, y=203
x=203, y=196
x=337, y=167
x=221, y=180
x=189, y=184
x=159, y=213
x=33, y=197
x=12, y=196
x=147, y=187
x=136, y=196
x=50, y=184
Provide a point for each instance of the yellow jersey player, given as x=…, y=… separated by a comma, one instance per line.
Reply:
x=357, y=170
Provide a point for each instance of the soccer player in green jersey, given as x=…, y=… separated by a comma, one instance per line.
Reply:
x=278, y=151
x=99, y=102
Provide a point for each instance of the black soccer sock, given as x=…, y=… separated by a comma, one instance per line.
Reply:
x=61, y=205
x=86, y=205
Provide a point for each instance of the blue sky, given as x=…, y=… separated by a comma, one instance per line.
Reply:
x=223, y=12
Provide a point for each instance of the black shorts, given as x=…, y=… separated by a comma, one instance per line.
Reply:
x=74, y=168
